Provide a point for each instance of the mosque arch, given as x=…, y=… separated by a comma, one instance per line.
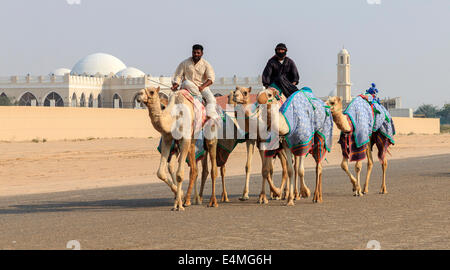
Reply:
x=74, y=102
x=53, y=100
x=91, y=101
x=28, y=99
x=83, y=100
x=4, y=100
x=99, y=101
x=117, y=101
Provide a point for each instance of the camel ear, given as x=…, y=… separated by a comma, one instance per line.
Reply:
x=237, y=87
x=249, y=89
x=157, y=89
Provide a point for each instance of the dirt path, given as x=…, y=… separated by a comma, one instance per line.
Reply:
x=31, y=168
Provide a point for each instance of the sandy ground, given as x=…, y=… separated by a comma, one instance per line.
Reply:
x=31, y=168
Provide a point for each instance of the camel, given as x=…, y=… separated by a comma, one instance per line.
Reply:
x=162, y=121
x=283, y=130
x=344, y=123
x=241, y=96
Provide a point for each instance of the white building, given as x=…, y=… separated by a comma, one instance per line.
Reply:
x=97, y=80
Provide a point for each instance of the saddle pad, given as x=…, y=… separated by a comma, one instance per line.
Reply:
x=306, y=116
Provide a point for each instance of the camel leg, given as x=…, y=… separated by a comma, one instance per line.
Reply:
x=317, y=193
x=304, y=190
x=212, y=146
x=266, y=164
x=273, y=189
x=344, y=166
x=184, y=150
x=358, y=167
x=290, y=170
x=205, y=173
x=250, y=150
x=369, y=169
x=193, y=174
x=384, y=165
x=224, y=189
x=172, y=171
x=296, y=165
x=282, y=157
x=165, y=152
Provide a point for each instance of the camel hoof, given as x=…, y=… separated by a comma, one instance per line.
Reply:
x=213, y=203
x=276, y=192
x=187, y=203
x=244, y=198
x=198, y=201
x=225, y=197
x=263, y=199
x=383, y=192
x=290, y=203
x=181, y=208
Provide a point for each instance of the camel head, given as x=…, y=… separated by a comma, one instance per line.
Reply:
x=335, y=104
x=149, y=95
x=266, y=96
x=241, y=95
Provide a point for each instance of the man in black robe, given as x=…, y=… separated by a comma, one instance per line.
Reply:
x=281, y=72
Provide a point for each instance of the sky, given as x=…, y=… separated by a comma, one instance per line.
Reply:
x=401, y=45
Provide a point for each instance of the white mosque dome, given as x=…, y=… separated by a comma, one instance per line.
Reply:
x=98, y=63
x=130, y=72
x=60, y=72
x=343, y=51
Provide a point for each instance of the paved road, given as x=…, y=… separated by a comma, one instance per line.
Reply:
x=414, y=215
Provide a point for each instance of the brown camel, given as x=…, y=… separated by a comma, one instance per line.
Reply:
x=343, y=123
x=283, y=129
x=242, y=96
x=162, y=121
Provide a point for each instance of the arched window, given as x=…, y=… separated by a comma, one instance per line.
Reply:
x=91, y=101
x=117, y=101
x=136, y=103
x=83, y=100
x=342, y=59
x=28, y=99
x=74, y=100
x=99, y=101
x=53, y=100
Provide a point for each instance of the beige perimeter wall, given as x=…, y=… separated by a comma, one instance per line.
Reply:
x=59, y=123
x=28, y=123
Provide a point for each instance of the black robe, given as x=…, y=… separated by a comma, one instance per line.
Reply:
x=283, y=75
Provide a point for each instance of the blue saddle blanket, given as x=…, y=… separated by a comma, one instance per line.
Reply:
x=368, y=116
x=306, y=116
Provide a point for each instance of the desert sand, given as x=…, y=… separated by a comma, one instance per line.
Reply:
x=31, y=168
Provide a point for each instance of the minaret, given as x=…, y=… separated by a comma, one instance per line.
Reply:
x=343, y=76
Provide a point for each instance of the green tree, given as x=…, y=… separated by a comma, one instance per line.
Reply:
x=444, y=114
x=430, y=111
